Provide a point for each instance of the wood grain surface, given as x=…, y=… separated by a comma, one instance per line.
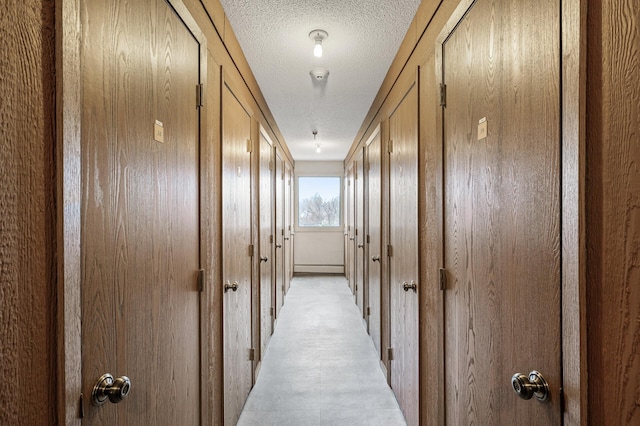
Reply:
x=613, y=212
x=266, y=246
x=236, y=235
x=279, y=233
x=374, y=225
x=360, y=233
x=502, y=211
x=27, y=213
x=403, y=264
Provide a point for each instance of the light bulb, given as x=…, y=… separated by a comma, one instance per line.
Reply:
x=318, y=149
x=317, y=50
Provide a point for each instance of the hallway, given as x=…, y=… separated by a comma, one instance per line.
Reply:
x=320, y=367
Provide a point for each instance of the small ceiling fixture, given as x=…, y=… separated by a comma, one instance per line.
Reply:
x=318, y=36
x=318, y=150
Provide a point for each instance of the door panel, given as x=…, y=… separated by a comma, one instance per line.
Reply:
x=279, y=236
x=140, y=212
x=359, y=234
x=403, y=264
x=351, y=226
x=236, y=269
x=374, y=225
x=287, y=245
x=266, y=234
x=501, y=211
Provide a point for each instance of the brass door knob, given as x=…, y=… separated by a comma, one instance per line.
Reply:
x=410, y=286
x=264, y=259
x=228, y=286
x=108, y=388
x=528, y=386
x=375, y=258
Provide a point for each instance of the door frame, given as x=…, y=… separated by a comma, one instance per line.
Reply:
x=572, y=14
x=69, y=76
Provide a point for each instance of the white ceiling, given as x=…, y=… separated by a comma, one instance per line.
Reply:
x=364, y=36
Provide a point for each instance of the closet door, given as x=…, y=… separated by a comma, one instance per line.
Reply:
x=403, y=259
x=502, y=246
x=236, y=239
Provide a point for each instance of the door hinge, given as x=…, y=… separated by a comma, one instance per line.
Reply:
x=81, y=407
x=443, y=95
x=368, y=239
x=201, y=280
x=389, y=250
x=252, y=250
x=270, y=165
x=390, y=354
x=390, y=146
x=249, y=145
x=199, y=95
x=562, y=401
x=356, y=231
x=252, y=354
x=271, y=311
x=368, y=311
x=271, y=238
x=443, y=278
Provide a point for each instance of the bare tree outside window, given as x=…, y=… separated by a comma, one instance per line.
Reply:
x=318, y=201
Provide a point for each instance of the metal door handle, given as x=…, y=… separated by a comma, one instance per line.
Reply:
x=351, y=238
x=228, y=286
x=108, y=388
x=278, y=245
x=360, y=245
x=264, y=259
x=286, y=238
x=375, y=258
x=533, y=385
x=413, y=286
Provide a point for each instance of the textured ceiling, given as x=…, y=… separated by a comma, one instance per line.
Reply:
x=364, y=36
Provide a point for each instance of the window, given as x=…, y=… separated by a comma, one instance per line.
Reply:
x=318, y=201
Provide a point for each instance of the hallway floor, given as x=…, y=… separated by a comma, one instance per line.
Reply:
x=321, y=367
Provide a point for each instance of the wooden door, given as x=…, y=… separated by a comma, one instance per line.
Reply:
x=374, y=227
x=287, y=245
x=351, y=224
x=236, y=265
x=500, y=65
x=279, y=234
x=140, y=212
x=359, y=233
x=403, y=262
x=266, y=245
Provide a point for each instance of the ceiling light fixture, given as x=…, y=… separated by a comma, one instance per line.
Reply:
x=318, y=150
x=318, y=36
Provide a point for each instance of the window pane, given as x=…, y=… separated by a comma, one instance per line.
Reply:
x=319, y=201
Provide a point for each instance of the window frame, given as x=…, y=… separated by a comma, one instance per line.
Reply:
x=336, y=228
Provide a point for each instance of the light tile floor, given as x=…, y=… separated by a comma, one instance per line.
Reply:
x=321, y=367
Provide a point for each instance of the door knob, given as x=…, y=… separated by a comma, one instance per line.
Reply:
x=264, y=259
x=533, y=385
x=360, y=245
x=413, y=286
x=375, y=258
x=108, y=388
x=228, y=286
x=278, y=245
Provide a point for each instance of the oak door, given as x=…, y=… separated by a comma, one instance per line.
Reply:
x=374, y=226
x=359, y=234
x=236, y=264
x=403, y=262
x=351, y=229
x=279, y=234
x=501, y=144
x=266, y=244
x=140, y=212
x=287, y=246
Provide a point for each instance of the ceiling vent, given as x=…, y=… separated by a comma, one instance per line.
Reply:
x=319, y=74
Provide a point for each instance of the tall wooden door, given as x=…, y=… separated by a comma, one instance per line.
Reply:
x=351, y=226
x=287, y=245
x=266, y=241
x=403, y=262
x=359, y=234
x=502, y=248
x=374, y=232
x=279, y=234
x=236, y=265
x=140, y=212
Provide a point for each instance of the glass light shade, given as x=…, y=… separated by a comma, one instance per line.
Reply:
x=317, y=50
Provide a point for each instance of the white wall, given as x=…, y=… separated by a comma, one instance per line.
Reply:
x=318, y=250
